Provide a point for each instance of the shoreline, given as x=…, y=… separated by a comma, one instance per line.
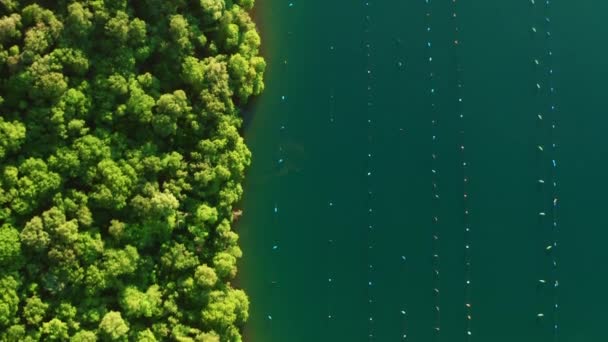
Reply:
x=249, y=115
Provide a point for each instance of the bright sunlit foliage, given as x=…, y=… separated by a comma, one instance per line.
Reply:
x=120, y=163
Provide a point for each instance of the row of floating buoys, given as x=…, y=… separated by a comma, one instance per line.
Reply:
x=540, y=149
x=403, y=312
x=331, y=292
x=276, y=222
x=331, y=251
x=459, y=107
x=435, y=219
x=369, y=221
x=547, y=150
x=540, y=117
x=552, y=108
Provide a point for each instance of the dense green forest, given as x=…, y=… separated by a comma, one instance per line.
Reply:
x=120, y=165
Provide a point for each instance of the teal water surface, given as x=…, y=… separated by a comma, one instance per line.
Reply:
x=306, y=204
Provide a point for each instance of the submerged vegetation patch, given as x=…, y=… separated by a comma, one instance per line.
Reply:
x=120, y=163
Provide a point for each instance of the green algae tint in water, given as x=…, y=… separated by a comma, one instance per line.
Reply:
x=313, y=171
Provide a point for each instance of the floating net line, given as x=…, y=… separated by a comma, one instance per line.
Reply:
x=281, y=157
x=435, y=207
x=403, y=312
x=369, y=221
x=547, y=163
x=275, y=242
x=464, y=164
x=331, y=250
x=552, y=108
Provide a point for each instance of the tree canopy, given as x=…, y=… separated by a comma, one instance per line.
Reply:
x=120, y=163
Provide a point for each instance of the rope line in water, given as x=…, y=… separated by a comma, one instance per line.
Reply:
x=275, y=243
x=551, y=108
x=403, y=312
x=459, y=104
x=435, y=220
x=330, y=272
x=553, y=167
x=540, y=149
x=331, y=252
x=367, y=48
x=548, y=160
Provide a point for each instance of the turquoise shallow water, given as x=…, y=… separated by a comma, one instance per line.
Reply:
x=314, y=172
